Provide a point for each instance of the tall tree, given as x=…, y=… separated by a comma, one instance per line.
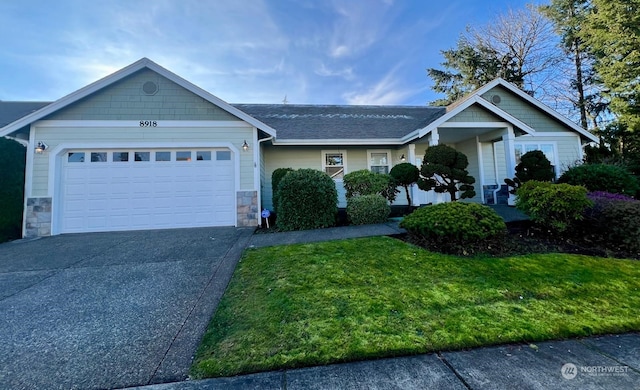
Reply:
x=612, y=31
x=568, y=17
x=517, y=46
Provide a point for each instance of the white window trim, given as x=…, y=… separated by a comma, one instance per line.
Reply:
x=389, y=157
x=556, y=157
x=323, y=156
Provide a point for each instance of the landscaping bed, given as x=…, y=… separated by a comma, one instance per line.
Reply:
x=524, y=237
x=312, y=304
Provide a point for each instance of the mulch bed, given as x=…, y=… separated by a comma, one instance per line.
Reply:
x=523, y=237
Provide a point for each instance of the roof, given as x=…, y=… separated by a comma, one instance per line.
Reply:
x=12, y=111
x=324, y=122
x=119, y=75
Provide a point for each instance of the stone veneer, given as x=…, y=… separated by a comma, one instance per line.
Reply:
x=38, y=218
x=248, y=210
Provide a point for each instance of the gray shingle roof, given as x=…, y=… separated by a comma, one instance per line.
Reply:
x=306, y=122
x=12, y=111
x=317, y=122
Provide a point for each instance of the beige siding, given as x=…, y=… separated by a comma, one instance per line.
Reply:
x=125, y=100
x=298, y=157
x=112, y=137
x=488, y=165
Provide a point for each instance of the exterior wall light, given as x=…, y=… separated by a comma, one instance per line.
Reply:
x=402, y=158
x=245, y=146
x=41, y=147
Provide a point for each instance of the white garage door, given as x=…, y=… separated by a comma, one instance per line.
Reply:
x=107, y=190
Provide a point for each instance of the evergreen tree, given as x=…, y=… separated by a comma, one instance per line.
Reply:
x=444, y=170
x=612, y=31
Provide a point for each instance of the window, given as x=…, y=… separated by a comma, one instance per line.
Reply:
x=333, y=164
x=98, y=156
x=141, y=156
x=379, y=161
x=183, y=156
x=223, y=155
x=203, y=156
x=163, y=156
x=547, y=149
x=75, y=157
x=120, y=156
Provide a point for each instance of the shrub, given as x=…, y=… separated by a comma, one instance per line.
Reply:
x=366, y=209
x=554, y=206
x=12, y=161
x=444, y=170
x=276, y=176
x=454, y=224
x=602, y=177
x=533, y=165
x=405, y=174
x=307, y=199
x=365, y=182
x=613, y=221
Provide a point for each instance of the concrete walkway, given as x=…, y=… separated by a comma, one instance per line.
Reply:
x=604, y=362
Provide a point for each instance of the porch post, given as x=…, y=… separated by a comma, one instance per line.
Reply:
x=510, y=155
x=412, y=160
x=480, y=169
x=435, y=140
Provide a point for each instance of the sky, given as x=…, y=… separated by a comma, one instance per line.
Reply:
x=242, y=51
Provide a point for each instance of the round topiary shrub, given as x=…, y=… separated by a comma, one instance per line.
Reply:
x=365, y=182
x=455, y=224
x=405, y=174
x=307, y=199
x=366, y=209
x=602, y=177
x=555, y=207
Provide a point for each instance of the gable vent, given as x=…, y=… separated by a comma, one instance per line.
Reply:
x=150, y=88
x=495, y=99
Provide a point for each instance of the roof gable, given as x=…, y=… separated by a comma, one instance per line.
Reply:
x=501, y=83
x=119, y=75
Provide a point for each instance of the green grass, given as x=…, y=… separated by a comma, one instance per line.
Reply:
x=301, y=305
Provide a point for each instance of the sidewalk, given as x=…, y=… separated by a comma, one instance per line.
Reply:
x=603, y=362
x=606, y=362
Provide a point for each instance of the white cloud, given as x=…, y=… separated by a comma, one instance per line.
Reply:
x=386, y=91
x=345, y=73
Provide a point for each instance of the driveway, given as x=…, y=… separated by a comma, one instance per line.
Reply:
x=108, y=310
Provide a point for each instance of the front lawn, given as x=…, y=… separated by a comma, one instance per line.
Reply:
x=312, y=304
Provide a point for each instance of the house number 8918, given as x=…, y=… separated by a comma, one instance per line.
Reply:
x=148, y=123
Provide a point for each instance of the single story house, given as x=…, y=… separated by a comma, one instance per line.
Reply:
x=144, y=148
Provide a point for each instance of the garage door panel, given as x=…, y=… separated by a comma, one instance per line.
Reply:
x=125, y=195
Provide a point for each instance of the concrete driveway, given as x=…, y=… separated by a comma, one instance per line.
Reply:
x=108, y=310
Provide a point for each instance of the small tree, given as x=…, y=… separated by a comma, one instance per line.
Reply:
x=12, y=161
x=405, y=174
x=533, y=165
x=444, y=169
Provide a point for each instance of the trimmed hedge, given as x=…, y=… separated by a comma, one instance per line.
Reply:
x=455, y=223
x=365, y=182
x=12, y=163
x=613, y=221
x=602, y=177
x=554, y=206
x=366, y=209
x=276, y=177
x=307, y=199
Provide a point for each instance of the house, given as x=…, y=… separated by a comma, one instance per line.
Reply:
x=145, y=149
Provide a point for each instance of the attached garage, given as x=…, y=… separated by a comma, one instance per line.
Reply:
x=120, y=189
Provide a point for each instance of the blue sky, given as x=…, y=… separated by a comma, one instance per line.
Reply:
x=243, y=51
